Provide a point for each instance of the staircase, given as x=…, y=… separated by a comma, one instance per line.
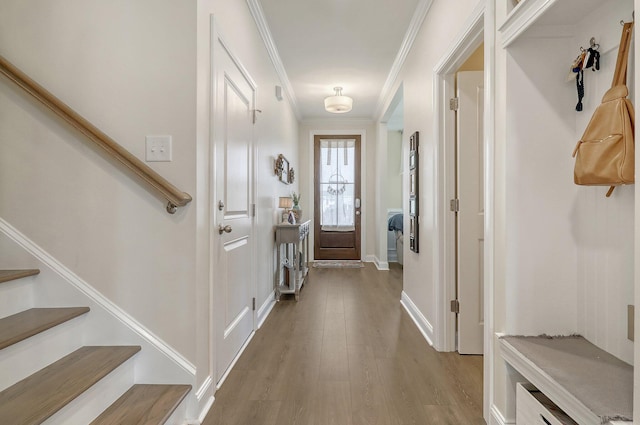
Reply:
x=36, y=388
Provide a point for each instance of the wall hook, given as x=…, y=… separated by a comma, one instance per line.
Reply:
x=633, y=18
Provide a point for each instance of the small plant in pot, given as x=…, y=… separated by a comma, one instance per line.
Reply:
x=297, y=211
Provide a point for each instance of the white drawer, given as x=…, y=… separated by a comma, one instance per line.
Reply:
x=534, y=408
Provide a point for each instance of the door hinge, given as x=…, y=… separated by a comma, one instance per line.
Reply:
x=455, y=306
x=454, y=103
x=253, y=210
x=454, y=205
x=254, y=304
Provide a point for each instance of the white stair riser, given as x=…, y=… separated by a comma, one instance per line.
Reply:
x=90, y=404
x=16, y=296
x=27, y=357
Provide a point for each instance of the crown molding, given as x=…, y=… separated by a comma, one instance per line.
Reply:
x=272, y=50
x=412, y=32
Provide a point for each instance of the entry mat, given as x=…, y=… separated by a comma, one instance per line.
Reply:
x=338, y=264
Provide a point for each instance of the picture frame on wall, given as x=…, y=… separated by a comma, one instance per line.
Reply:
x=413, y=192
x=282, y=170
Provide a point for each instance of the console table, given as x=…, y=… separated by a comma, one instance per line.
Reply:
x=295, y=238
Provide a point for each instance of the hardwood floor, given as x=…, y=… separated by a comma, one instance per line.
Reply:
x=347, y=354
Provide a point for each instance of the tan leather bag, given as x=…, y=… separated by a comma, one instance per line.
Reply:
x=605, y=154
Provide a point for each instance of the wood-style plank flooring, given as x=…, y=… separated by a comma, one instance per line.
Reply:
x=347, y=354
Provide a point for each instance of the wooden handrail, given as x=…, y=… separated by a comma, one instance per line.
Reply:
x=175, y=197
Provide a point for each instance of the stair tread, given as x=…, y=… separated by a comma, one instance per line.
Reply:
x=8, y=275
x=25, y=324
x=37, y=397
x=144, y=404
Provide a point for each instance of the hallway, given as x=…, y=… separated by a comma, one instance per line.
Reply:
x=347, y=354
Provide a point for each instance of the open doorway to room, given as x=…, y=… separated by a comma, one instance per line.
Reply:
x=392, y=186
x=468, y=108
x=466, y=155
x=460, y=131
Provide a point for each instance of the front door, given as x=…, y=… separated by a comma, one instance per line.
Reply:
x=233, y=227
x=470, y=223
x=337, y=197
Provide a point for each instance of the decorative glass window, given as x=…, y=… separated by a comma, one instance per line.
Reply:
x=337, y=185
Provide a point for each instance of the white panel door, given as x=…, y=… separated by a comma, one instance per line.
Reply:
x=233, y=226
x=470, y=222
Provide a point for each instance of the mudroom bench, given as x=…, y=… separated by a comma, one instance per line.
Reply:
x=571, y=381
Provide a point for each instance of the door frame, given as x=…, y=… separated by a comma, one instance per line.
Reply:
x=363, y=184
x=215, y=303
x=470, y=38
x=444, y=90
x=357, y=189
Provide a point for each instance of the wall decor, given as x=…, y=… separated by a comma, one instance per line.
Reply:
x=413, y=192
x=291, y=176
x=282, y=170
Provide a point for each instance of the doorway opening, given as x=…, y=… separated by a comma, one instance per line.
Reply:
x=389, y=186
x=468, y=108
x=464, y=49
x=392, y=189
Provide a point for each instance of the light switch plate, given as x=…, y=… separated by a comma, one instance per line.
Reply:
x=158, y=148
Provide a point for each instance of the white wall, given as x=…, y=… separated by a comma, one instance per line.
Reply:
x=605, y=250
x=127, y=67
x=134, y=68
x=541, y=256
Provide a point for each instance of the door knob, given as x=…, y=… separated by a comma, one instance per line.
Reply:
x=222, y=229
x=357, y=212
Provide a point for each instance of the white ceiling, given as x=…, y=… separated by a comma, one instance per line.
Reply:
x=317, y=45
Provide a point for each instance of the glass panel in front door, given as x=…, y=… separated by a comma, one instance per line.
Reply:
x=337, y=185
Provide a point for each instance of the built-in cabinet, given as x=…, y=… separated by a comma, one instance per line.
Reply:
x=569, y=266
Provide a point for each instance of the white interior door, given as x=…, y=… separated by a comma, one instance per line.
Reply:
x=233, y=129
x=470, y=223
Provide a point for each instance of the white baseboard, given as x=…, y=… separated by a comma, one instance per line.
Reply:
x=418, y=318
x=380, y=265
x=203, y=413
x=234, y=361
x=262, y=314
x=265, y=309
x=497, y=418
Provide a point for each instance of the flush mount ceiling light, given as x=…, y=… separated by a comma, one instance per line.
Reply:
x=338, y=104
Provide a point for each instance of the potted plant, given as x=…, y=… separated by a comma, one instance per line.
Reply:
x=297, y=211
